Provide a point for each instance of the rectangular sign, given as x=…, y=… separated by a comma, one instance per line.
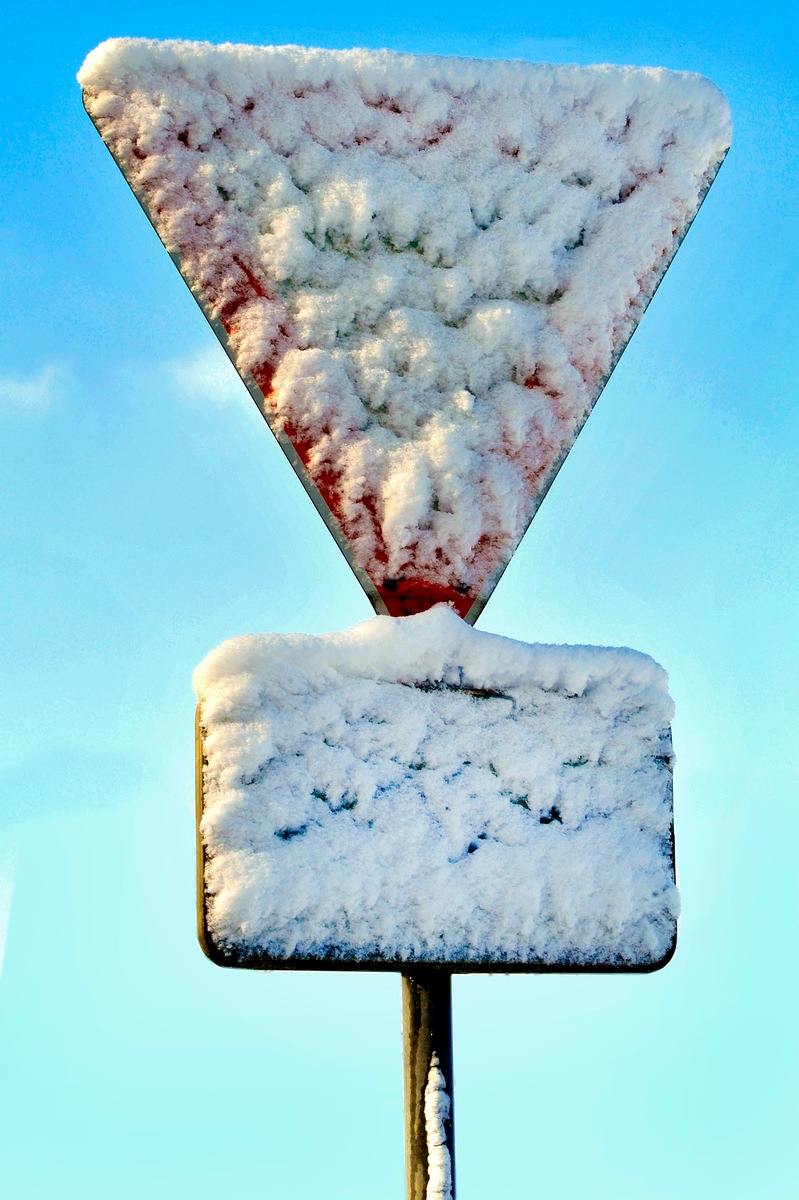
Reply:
x=414, y=791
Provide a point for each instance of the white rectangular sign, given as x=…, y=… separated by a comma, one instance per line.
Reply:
x=416, y=791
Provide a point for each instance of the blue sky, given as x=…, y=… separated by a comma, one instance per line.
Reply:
x=148, y=515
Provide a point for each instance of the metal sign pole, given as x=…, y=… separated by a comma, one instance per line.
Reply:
x=427, y=1061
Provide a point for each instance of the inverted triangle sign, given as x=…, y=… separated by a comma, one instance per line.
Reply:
x=424, y=269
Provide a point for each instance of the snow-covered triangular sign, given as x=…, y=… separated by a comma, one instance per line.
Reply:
x=424, y=269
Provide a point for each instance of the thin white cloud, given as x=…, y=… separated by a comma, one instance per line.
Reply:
x=207, y=375
x=31, y=391
x=7, y=871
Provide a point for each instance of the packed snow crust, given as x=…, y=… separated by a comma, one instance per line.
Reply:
x=414, y=790
x=428, y=266
x=437, y=1108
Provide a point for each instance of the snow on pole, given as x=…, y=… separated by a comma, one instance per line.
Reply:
x=424, y=269
x=437, y=1114
x=428, y=1079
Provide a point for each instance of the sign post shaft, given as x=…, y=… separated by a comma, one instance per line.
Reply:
x=427, y=1061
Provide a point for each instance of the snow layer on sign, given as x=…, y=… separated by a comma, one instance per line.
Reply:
x=428, y=266
x=416, y=790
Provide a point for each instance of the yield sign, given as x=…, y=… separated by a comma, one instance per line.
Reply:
x=424, y=269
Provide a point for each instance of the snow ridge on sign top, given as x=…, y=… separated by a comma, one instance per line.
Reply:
x=424, y=268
